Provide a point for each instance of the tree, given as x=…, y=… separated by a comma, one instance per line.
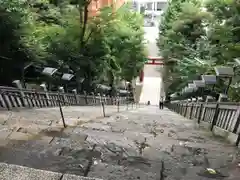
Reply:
x=58, y=33
x=223, y=37
x=181, y=28
x=14, y=50
x=196, y=37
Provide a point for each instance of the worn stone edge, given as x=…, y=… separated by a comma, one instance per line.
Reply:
x=4, y=166
x=227, y=135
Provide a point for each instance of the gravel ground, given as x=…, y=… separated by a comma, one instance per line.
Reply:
x=145, y=143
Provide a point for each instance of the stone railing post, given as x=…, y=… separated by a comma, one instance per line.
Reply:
x=18, y=84
x=222, y=98
x=215, y=117
x=104, y=99
x=43, y=86
x=61, y=90
x=100, y=98
x=75, y=94
x=94, y=98
x=200, y=113
x=86, y=98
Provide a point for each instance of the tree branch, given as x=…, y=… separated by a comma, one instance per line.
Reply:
x=3, y=57
x=83, y=20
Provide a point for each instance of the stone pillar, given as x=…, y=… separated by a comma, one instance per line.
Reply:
x=209, y=99
x=104, y=98
x=75, y=93
x=194, y=99
x=61, y=90
x=94, y=98
x=199, y=99
x=18, y=84
x=100, y=98
x=85, y=97
x=222, y=98
x=43, y=86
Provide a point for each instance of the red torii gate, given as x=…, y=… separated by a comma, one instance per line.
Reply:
x=151, y=61
x=155, y=60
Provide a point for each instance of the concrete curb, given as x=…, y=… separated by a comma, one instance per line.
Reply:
x=230, y=137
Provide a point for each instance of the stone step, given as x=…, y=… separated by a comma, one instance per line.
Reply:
x=69, y=154
x=15, y=172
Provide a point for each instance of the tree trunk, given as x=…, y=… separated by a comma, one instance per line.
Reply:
x=83, y=13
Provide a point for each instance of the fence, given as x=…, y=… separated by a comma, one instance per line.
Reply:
x=11, y=98
x=224, y=115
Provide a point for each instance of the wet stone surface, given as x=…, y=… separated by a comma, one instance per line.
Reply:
x=147, y=144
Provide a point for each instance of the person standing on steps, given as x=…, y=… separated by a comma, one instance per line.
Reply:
x=161, y=103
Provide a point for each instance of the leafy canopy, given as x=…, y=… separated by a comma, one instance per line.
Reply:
x=57, y=33
x=197, y=35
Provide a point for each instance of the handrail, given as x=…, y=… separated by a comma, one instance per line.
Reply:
x=17, y=98
x=225, y=115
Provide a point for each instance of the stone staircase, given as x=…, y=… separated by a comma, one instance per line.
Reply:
x=138, y=91
x=142, y=143
x=72, y=151
x=94, y=147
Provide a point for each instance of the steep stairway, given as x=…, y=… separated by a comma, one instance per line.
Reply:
x=95, y=148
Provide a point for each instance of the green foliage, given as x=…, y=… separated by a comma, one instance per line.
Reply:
x=120, y=35
x=195, y=36
x=57, y=33
x=13, y=50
